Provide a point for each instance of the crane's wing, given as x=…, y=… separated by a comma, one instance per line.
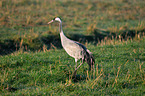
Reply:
x=90, y=59
x=88, y=56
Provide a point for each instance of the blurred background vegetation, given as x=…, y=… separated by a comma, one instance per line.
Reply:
x=23, y=23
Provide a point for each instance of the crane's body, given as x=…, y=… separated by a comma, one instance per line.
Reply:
x=75, y=49
x=71, y=47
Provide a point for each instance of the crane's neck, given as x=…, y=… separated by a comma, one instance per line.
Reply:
x=60, y=26
x=62, y=36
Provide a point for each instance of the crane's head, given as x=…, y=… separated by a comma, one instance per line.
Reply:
x=55, y=19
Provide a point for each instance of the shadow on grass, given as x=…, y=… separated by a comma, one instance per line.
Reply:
x=53, y=41
x=79, y=78
x=7, y=47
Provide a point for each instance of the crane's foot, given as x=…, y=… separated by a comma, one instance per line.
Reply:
x=74, y=74
x=77, y=78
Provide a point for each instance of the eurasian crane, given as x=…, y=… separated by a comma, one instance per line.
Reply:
x=75, y=49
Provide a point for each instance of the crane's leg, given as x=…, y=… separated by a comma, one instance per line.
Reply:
x=76, y=60
x=91, y=67
x=75, y=72
x=76, y=68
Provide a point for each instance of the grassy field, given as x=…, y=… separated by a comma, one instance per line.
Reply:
x=31, y=60
x=119, y=70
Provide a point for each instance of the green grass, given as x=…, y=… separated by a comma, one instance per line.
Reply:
x=27, y=19
x=31, y=60
x=119, y=70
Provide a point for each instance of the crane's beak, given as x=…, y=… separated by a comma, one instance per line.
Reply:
x=50, y=22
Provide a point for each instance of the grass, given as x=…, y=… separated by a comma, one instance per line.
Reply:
x=26, y=19
x=31, y=60
x=119, y=70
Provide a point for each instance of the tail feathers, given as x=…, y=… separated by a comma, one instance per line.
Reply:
x=89, y=59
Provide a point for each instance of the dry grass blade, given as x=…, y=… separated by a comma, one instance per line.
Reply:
x=95, y=81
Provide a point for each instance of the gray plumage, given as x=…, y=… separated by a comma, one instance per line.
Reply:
x=75, y=49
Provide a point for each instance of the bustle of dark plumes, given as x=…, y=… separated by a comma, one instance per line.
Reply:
x=89, y=59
